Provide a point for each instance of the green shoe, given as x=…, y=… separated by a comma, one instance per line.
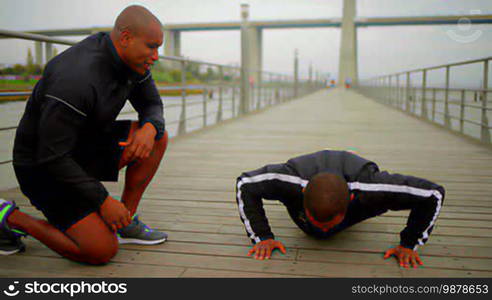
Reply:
x=139, y=233
x=10, y=241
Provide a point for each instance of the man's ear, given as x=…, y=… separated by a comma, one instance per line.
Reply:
x=125, y=38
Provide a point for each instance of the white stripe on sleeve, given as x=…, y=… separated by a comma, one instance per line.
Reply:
x=376, y=187
x=256, y=179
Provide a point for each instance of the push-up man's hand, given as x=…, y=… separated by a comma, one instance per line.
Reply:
x=263, y=250
x=405, y=256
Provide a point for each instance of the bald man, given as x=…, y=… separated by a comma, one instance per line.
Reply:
x=328, y=191
x=68, y=141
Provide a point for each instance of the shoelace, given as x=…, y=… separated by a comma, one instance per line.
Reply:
x=147, y=229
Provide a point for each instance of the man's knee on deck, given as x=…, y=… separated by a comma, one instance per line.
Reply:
x=98, y=253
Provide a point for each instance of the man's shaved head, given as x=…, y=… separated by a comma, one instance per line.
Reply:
x=325, y=196
x=135, y=19
x=137, y=35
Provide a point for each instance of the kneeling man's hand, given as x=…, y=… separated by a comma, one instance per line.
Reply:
x=265, y=248
x=140, y=144
x=405, y=256
x=115, y=213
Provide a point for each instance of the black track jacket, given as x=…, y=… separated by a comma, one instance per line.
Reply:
x=374, y=193
x=81, y=93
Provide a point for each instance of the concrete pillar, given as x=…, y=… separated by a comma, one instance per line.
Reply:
x=48, y=51
x=254, y=47
x=296, y=73
x=348, y=46
x=38, y=49
x=245, y=60
x=172, y=47
x=310, y=73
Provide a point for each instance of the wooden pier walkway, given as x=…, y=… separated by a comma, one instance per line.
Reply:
x=192, y=198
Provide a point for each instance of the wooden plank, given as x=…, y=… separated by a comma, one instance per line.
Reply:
x=268, y=266
x=30, y=266
x=305, y=242
x=202, y=273
x=435, y=262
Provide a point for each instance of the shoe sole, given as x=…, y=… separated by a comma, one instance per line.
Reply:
x=3, y=252
x=123, y=241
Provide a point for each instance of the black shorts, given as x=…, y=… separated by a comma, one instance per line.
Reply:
x=99, y=158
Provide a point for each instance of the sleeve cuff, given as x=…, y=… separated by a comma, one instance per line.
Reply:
x=159, y=127
x=407, y=245
x=267, y=237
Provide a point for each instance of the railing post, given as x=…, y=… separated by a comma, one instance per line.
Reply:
x=407, y=93
x=447, y=120
x=38, y=49
x=296, y=73
x=48, y=51
x=414, y=104
x=398, y=91
x=282, y=91
x=433, y=104
x=258, y=96
x=205, y=92
x=388, y=89
x=219, y=110
x=485, y=133
x=424, y=92
x=261, y=89
x=233, y=101
x=462, y=111
x=182, y=118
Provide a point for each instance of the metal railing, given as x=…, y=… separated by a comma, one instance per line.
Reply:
x=207, y=102
x=464, y=110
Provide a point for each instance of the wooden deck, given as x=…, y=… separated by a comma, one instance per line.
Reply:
x=192, y=198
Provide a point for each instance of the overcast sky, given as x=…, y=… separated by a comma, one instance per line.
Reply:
x=381, y=50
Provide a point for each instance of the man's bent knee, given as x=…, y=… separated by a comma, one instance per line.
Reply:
x=99, y=256
x=96, y=242
x=161, y=144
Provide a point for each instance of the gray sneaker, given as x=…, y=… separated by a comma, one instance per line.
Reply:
x=10, y=241
x=139, y=233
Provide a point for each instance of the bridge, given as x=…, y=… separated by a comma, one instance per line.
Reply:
x=252, y=34
x=405, y=125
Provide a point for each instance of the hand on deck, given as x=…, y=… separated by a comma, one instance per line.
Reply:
x=115, y=213
x=405, y=256
x=263, y=250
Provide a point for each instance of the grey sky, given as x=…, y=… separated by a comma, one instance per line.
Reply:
x=381, y=50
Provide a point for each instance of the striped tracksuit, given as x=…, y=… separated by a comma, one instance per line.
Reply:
x=373, y=193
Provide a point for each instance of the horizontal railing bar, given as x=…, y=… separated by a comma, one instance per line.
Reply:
x=473, y=61
x=8, y=128
x=5, y=162
x=35, y=37
x=48, y=39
